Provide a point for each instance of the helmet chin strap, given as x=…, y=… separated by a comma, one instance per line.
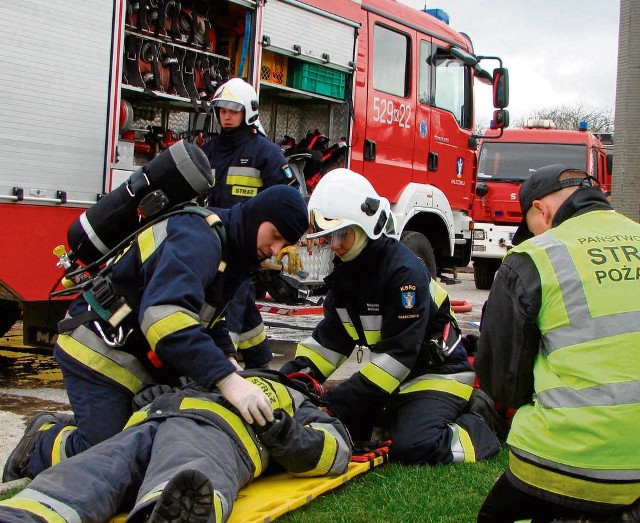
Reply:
x=360, y=243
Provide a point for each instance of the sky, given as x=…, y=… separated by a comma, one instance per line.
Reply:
x=558, y=52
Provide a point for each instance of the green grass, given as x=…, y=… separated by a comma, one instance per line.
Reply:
x=394, y=493
x=399, y=494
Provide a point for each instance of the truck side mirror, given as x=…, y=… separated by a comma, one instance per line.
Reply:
x=500, y=87
x=610, y=163
x=500, y=119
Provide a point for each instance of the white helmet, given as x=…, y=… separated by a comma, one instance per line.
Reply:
x=236, y=94
x=343, y=198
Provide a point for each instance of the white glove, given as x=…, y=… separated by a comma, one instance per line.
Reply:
x=250, y=401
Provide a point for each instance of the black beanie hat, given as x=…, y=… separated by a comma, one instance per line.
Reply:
x=281, y=205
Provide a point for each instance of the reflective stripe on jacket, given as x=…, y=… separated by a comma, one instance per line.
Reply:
x=578, y=438
x=315, y=444
x=384, y=300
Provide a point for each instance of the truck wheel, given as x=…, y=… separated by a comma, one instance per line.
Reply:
x=421, y=247
x=484, y=272
x=9, y=314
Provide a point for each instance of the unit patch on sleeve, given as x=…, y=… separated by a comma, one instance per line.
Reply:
x=408, y=296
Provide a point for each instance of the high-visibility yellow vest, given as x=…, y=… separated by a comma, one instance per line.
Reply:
x=580, y=437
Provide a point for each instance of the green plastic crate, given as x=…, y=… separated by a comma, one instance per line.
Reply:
x=317, y=79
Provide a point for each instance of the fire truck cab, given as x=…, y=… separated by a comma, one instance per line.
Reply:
x=504, y=163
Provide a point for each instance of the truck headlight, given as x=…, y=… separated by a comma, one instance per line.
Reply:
x=479, y=234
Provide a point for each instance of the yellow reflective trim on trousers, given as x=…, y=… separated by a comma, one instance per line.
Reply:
x=168, y=325
x=551, y=481
x=328, y=456
x=324, y=366
x=57, y=454
x=33, y=507
x=151, y=495
x=467, y=445
x=234, y=421
x=252, y=342
x=380, y=377
x=247, y=181
x=100, y=363
x=218, y=507
x=462, y=390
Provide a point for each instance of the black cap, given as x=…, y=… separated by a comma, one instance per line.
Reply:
x=541, y=183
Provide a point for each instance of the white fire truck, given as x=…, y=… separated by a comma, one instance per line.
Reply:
x=93, y=90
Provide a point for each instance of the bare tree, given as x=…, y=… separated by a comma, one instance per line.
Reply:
x=481, y=127
x=569, y=117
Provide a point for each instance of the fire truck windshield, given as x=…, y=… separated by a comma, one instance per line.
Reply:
x=514, y=162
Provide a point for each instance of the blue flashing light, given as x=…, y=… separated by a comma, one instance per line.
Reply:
x=583, y=126
x=498, y=213
x=440, y=14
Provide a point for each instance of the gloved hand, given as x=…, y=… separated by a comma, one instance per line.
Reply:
x=295, y=263
x=148, y=394
x=250, y=401
x=276, y=429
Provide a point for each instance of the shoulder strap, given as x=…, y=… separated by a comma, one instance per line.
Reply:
x=216, y=225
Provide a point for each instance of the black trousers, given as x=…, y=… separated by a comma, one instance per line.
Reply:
x=505, y=503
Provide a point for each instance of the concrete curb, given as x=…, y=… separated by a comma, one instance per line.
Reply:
x=10, y=485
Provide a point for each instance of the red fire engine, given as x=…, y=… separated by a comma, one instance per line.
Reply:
x=94, y=90
x=504, y=163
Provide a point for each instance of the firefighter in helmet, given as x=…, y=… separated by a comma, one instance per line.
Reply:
x=418, y=383
x=243, y=163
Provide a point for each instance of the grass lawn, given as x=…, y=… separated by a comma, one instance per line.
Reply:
x=398, y=494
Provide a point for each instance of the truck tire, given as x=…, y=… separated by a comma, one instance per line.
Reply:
x=9, y=314
x=483, y=273
x=417, y=243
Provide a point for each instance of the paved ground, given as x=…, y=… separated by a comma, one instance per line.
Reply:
x=30, y=382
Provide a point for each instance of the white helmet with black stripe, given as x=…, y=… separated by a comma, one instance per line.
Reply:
x=344, y=198
x=238, y=95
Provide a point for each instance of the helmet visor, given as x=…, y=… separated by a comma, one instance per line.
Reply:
x=228, y=104
x=321, y=226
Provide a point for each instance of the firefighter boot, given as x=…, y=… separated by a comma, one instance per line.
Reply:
x=15, y=466
x=187, y=497
x=482, y=405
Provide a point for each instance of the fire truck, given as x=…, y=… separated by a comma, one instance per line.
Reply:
x=504, y=162
x=94, y=90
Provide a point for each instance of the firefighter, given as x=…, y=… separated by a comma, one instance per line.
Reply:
x=243, y=163
x=178, y=276
x=184, y=457
x=419, y=381
x=560, y=342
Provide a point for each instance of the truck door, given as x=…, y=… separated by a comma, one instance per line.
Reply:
x=422, y=153
x=390, y=108
x=450, y=160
